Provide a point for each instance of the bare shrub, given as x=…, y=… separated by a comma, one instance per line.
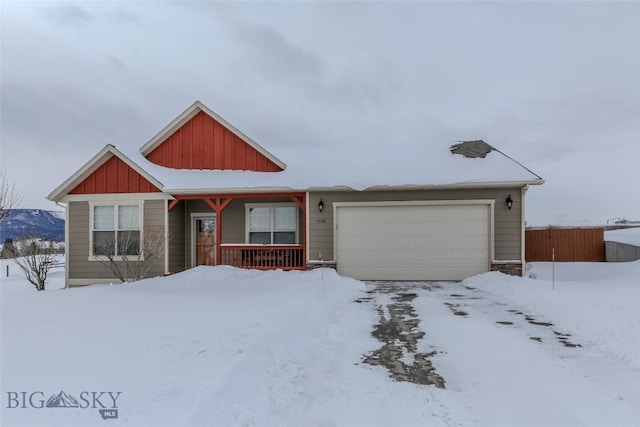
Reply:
x=35, y=261
x=129, y=258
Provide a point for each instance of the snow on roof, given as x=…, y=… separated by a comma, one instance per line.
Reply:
x=629, y=236
x=357, y=167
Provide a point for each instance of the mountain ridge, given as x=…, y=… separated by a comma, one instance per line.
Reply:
x=23, y=223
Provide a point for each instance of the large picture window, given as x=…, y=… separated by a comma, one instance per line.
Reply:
x=115, y=230
x=272, y=224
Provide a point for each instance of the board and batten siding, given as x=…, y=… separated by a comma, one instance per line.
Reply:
x=204, y=143
x=114, y=176
x=507, y=223
x=78, y=245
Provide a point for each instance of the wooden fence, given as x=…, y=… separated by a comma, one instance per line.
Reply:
x=571, y=244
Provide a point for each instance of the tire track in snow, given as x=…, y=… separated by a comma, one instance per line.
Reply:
x=399, y=333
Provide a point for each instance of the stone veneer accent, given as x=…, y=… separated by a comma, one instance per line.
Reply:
x=321, y=264
x=512, y=268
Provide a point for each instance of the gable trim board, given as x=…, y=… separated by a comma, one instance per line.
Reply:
x=414, y=240
x=189, y=114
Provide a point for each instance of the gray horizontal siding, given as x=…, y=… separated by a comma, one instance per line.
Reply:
x=177, y=243
x=233, y=219
x=507, y=223
x=154, y=217
x=78, y=245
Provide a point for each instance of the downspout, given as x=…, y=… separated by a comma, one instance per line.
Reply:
x=187, y=239
x=306, y=234
x=66, y=242
x=166, y=236
x=523, y=191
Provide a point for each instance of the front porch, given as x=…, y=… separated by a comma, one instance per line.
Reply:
x=264, y=231
x=263, y=257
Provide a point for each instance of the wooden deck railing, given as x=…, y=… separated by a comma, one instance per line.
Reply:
x=263, y=257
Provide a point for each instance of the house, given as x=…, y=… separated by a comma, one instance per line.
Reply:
x=394, y=211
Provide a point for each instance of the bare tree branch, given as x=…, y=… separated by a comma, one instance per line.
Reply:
x=9, y=197
x=35, y=260
x=127, y=258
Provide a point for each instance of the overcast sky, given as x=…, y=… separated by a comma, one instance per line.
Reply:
x=555, y=85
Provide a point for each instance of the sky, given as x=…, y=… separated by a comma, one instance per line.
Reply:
x=555, y=85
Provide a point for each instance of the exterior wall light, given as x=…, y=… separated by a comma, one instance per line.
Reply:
x=320, y=205
x=509, y=202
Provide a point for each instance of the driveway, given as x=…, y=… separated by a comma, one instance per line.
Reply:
x=407, y=348
x=495, y=364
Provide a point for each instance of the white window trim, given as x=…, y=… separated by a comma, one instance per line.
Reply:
x=115, y=204
x=247, y=220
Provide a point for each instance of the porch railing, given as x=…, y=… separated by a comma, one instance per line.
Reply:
x=263, y=257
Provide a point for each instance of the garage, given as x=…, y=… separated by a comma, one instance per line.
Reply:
x=435, y=240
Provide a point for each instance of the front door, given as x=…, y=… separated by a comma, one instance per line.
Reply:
x=204, y=229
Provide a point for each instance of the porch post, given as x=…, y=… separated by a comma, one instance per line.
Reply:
x=218, y=205
x=218, y=236
x=215, y=205
x=304, y=233
x=302, y=205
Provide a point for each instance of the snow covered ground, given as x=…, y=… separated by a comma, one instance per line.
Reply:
x=226, y=347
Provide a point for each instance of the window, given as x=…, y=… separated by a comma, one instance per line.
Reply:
x=272, y=224
x=115, y=230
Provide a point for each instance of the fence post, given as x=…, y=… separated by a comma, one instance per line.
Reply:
x=7, y=270
x=553, y=268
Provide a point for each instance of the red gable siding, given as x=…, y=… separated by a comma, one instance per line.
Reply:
x=114, y=176
x=203, y=143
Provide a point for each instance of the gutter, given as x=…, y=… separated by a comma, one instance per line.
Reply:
x=66, y=242
x=402, y=187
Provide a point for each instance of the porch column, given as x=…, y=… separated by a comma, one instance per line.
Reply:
x=300, y=201
x=218, y=205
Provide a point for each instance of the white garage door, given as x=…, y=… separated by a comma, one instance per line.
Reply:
x=413, y=240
